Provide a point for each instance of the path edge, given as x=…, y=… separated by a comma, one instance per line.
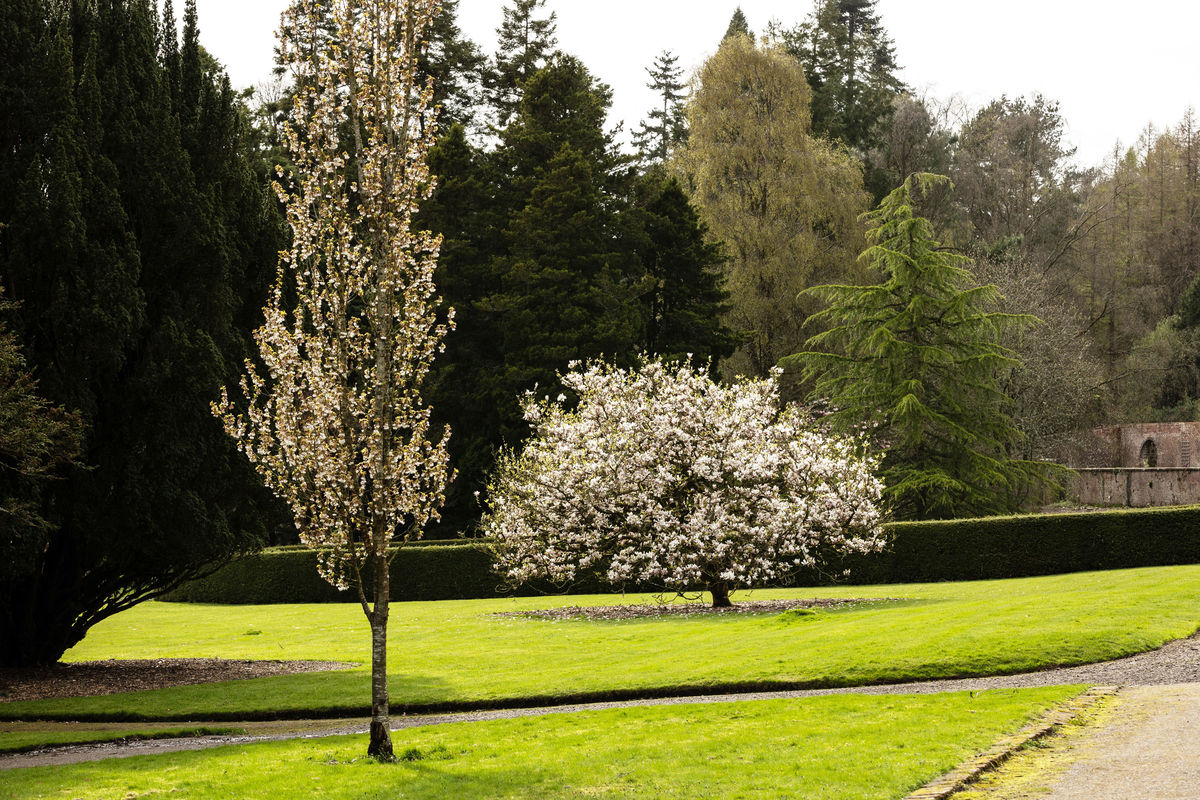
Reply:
x=1053, y=719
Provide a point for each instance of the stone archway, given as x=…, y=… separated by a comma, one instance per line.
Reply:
x=1149, y=454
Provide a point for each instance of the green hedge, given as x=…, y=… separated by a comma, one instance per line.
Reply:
x=919, y=552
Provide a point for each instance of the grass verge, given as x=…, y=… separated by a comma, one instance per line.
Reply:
x=845, y=747
x=459, y=654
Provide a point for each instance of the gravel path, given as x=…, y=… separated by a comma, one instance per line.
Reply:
x=1175, y=663
x=1148, y=749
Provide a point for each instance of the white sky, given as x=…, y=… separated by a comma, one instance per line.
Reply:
x=1114, y=66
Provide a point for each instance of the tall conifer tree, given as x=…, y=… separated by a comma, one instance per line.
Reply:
x=525, y=42
x=917, y=359
x=134, y=332
x=667, y=126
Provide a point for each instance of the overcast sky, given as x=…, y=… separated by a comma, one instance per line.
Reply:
x=1113, y=66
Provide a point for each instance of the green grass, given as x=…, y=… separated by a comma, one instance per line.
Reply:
x=844, y=747
x=456, y=652
x=20, y=737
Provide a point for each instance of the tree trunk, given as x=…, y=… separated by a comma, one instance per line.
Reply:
x=381, y=728
x=720, y=594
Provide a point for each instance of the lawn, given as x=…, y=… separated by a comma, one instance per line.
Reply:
x=845, y=747
x=458, y=653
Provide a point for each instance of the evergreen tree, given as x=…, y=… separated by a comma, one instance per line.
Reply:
x=564, y=294
x=566, y=274
x=685, y=300
x=462, y=212
x=667, y=126
x=457, y=67
x=525, y=43
x=738, y=26
x=129, y=257
x=850, y=64
x=917, y=361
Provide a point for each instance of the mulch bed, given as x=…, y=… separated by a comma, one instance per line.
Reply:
x=109, y=677
x=687, y=609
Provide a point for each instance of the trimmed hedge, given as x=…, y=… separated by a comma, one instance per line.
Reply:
x=920, y=552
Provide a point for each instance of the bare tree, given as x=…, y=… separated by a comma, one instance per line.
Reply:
x=336, y=425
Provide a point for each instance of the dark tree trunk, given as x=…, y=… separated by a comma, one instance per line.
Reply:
x=720, y=594
x=381, y=728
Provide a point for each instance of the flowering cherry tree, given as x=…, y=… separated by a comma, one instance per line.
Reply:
x=659, y=475
x=336, y=425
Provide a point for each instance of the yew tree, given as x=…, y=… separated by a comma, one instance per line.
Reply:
x=336, y=424
x=661, y=476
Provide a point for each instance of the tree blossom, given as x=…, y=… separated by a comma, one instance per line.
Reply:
x=336, y=426
x=659, y=475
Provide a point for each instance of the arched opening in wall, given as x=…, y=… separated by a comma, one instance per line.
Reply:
x=1149, y=454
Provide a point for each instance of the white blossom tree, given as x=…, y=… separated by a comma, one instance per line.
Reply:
x=336, y=424
x=661, y=476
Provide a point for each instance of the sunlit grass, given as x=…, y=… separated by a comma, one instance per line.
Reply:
x=833, y=748
x=458, y=652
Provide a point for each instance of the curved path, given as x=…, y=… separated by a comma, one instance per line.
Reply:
x=1176, y=662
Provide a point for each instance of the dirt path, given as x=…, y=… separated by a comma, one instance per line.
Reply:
x=1177, y=662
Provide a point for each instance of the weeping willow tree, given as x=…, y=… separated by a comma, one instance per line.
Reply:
x=917, y=361
x=337, y=426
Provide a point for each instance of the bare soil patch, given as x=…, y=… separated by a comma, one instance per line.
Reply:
x=86, y=678
x=690, y=609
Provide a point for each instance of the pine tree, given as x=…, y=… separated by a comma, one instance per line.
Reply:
x=525, y=43
x=916, y=360
x=566, y=274
x=850, y=63
x=667, y=126
x=457, y=67
x=462, y=212
x=738, y=26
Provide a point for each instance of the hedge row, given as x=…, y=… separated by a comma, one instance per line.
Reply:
x=919, y=552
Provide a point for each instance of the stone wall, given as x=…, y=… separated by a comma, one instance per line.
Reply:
x=1148, y=444
x=1139, y=488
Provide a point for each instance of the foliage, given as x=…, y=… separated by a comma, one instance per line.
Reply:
x=135, y=234
x=525, y=43
x=914, y=139
x=1013, y=181
x=851, y=746
x=457, y=68
x=662, y=475
x=686, y=300
x=667, y=126
x=336, y=426
x=850, y=64
x=785, y=205
x=38, y=443
x=917, y=359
